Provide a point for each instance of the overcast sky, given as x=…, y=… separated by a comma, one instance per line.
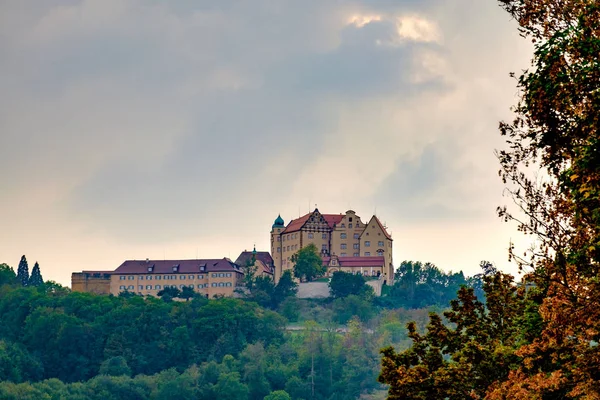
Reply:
x=133, y=129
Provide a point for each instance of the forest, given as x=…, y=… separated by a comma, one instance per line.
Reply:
x=54, y=342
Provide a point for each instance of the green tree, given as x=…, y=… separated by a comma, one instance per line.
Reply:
x=36, y=279
x=169, y=293
x=278, y=395
x=285, y=288
x=307, y=263
x=23, y=272
x=7, y=275
x=343, y=284
x=187, y=293
x=115, y=366
x=463, y=360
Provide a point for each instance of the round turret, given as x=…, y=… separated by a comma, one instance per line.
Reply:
x=278, y=222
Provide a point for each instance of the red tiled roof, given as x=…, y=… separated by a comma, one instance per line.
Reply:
x=262, y=256
x=185, y=266
x=377, y=261
x=333, y=219
x=295, y=224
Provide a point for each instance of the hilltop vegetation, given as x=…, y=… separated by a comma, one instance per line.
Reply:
x=54, y=342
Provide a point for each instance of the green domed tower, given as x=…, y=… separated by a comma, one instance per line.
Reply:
x=276, y=229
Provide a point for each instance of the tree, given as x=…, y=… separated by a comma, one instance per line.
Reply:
x=187, y=293
x=169, y=293
x=278, y=395
x=36, y=279
x=557, y=129
x=307, y=263
x=7, y=275
x=343, y=284
x=463, y=360
x=285, y=288
x=23, y=272
x=115, y=366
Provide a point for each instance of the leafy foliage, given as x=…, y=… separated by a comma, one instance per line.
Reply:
x=418, y=285
x=463, y=360
x=343, y=284
x=307, y=263
x=7, y=275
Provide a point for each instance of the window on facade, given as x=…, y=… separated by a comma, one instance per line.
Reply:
x=229, y=274
x=131, y=277
x=379, y=252
x=122, y=278
x=200, y=286
x=356, y=236
x=323, y=247
x=148, y=287
x=214, y=275
x=157, y=287
x=192, y=286
x=350, y=225
x=342, y=236
x=200, y=276
x=228, y=283
x=141, y=287
x=310, y=235
x=367, y=253
x=141, y=278
x=343, y=246
x=343, y=225
x=380, y=243
x=191, y=277
x=358, y=225
x=349, y=219
x=122, y=287
x=279, y=249
x=367, y=244
x=355, y=254
x=355, y=245
x=342, y=254
x=149, y=278
x=279, y=238
x=324, y=236
x=130, y=287
x=158, y=277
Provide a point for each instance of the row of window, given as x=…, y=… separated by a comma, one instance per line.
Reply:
x=221, y=275
x=291, y=248
x=290, y=236
x=312, y=236
x=159, y=277
x=158, y=287
x=173, y=277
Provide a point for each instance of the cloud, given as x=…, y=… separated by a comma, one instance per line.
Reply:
x=128, y=127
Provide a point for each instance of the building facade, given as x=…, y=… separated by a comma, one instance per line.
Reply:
x=344, y=241
x=262, y=262
x=209, y=278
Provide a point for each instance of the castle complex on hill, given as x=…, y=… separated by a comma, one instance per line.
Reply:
x=344, y=241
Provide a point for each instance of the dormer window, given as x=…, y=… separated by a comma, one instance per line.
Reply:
x=202, y=268
x=151, y=268
x=176, y=268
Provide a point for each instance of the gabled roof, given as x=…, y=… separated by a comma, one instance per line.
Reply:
x=263, y=256
x=297, y=224
x=376, y=261
x=378, y=222
x=184, y=266
x=333, y=219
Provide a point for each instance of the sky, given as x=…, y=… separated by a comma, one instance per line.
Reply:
x=134, y=129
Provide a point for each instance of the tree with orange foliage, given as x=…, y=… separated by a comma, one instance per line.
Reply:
x=556, y=130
